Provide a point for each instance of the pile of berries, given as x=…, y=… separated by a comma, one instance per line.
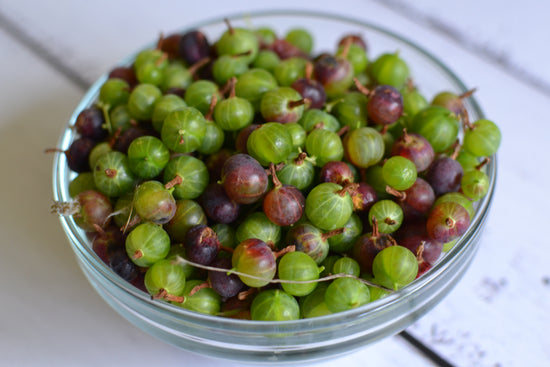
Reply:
x=248, y=177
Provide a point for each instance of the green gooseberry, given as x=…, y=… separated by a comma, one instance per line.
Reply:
x=164, y=105
x=97, y=151
x=270, y=143
x=183, y=130
x=298, y=266
x=141, y=101
x=227, y=66
x=329, y=206
x=187, y=175
x=274, y=305
x=482, y=139
x=120, y=118
x=390, y=69
x=176, y=75
x=199, y=94
x=351, y=110
x=238, y=42
x=438, y=125
x=257, y=225
x=356, y=55
x=114, y=92
x=213, y=139
x=204, y=300
x=313, y=305
x=84, y=181
x=147, y=243
x=188, y=214
x=325, y=146
x=233, y=113
x=112, y=174
x=388, y=214
x=314, y=118
x=252, y=85
x=147, y=156
x=301, y=38
x=343, y=242
x=266, y=60
x=364, y=147
x=289, y=70
x=282, y=104
x=165, y=280
x=345, y=294
x=394, y=267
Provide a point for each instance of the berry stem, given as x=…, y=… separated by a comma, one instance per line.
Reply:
x=160, y=41
x=231, y=85
x=456, y=150
x=347, y=45
x=350, y=188
x=199, y=287
x=173, y=182
x=343, y=130
x=247, y=293
x=137, y=254
x=210, y=112
x=375, y=233
x=286, y=250
x=272, y=171
x=110, y=172
x=420, y=251
x=483, y=163
x=361, y=88
x=163, y=294
x=229, y=27
x=467, y=93
x=325, y=236
x=401, y=195
x=199, y=64
x=300, y=159
x=298, y=103
x=308, y=70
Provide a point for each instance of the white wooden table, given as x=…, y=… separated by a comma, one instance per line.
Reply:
x=52, y=50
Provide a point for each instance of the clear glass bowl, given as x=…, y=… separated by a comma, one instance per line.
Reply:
x=307, y=339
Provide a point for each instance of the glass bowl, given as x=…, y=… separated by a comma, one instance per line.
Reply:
x=305, y=339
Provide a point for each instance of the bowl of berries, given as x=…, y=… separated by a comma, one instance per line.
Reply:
x=276, y=187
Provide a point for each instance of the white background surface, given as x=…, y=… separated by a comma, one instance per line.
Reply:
x=50, y=316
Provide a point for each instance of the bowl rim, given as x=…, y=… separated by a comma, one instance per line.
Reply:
x=81, y=243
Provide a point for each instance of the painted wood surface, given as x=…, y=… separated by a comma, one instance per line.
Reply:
x=496, y=316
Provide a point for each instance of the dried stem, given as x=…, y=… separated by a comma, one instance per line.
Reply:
x=350, y=188
x=343, y=131
x=210, y=112
x=181, y=260
x=300, y=102
x=335, y=232
x=199, y=64
x=467, y=93
x=375, y=232
x=361, y=88
x=173, y=182
x=401, y=195
x=483, y=163
x=198, y=287
x=163, y=294
x=286, y=250
x=273, y=173
x=229, y=27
